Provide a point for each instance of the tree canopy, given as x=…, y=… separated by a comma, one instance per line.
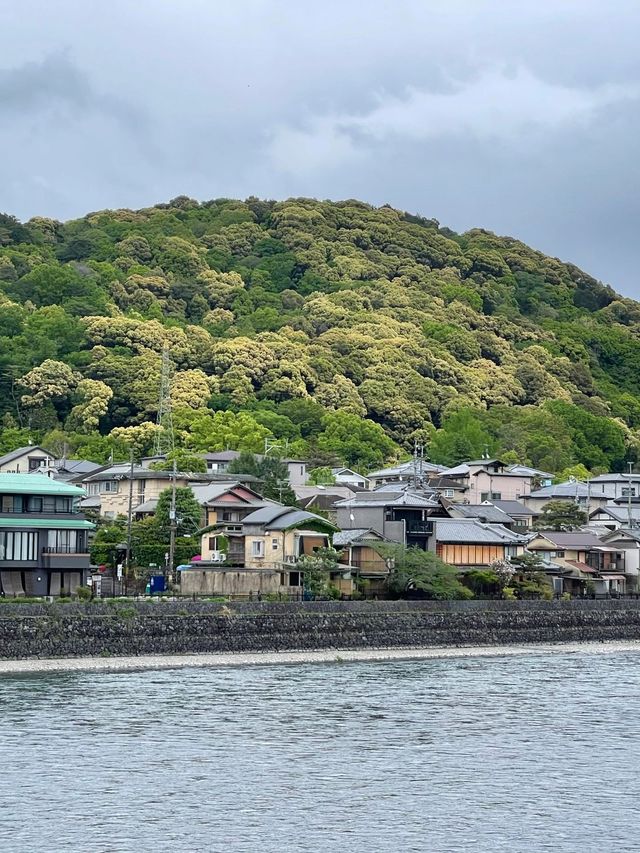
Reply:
x=347, y=330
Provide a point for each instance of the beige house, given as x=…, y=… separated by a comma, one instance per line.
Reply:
x=26, y=460
x=108, y=489
x=586, y=560
x=257, y=554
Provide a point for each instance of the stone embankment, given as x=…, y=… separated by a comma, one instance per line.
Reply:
x=122, y=627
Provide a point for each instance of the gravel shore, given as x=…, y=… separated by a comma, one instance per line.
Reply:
x=115, y=664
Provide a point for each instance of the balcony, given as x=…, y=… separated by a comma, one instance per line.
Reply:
x=65, y=558
x=420, y=528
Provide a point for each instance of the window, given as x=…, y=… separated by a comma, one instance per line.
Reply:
x=274, y=544
x=213, y=546
x=510, y=551
x=109, y=486
x=34, y=504
x=227, y=515
x=36, y=462
x=302, y=470
x=628, y=492
x=11, y=503
x=51, y=504
x=66, y=541
x=257, y=548
x=295, y=579
x=93, y=488
x=17, y=546
x=448, y=493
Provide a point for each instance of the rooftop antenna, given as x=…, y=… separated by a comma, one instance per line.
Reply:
x=164, y=442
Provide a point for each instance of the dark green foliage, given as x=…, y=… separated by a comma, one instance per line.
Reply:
x=422, y=574
x=561, y=515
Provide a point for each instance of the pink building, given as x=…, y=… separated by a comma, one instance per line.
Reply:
x=490, y=480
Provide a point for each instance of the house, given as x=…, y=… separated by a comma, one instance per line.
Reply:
x=588, y=562
x=404, y=472
x=469, y=543
x=538, y=478
x=521, y=514
x=108, y=488
x=615, y=516
x=43, y=536
x=627, y=540
x=490, y=480
x=25, y=460
x=446, y=487
x=218, y=463
x=322, y=499
x=259, y=554
x=569, y=490
x=358, y=550
x=348, y=477
x=398, y=514
x=225, y=506
x=616, y=485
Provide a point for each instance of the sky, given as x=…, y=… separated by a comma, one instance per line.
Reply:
x=522, y=118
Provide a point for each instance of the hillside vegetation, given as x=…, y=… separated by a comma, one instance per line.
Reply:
x=347, y=329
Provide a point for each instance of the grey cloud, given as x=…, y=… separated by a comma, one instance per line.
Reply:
x=520, y=117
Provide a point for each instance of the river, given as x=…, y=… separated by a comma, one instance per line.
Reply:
x=532, y=752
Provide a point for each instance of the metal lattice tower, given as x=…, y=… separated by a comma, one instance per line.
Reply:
x=164, y=442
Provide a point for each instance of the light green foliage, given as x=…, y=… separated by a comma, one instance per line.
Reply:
x=316, y=569
x=290, y=318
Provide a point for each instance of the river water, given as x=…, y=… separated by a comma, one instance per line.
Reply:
x=528, y=753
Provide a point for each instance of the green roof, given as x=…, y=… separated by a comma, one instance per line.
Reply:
x=36, y=484
x=48, y=523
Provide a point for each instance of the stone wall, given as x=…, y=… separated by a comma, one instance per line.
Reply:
x=120, y=627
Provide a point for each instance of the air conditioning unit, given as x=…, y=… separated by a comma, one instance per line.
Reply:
x=218, y=556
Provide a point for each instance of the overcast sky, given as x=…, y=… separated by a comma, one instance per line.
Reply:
x=521, y=117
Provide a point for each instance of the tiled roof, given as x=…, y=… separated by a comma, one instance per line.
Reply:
x=469, y=530
x=485, y=512
x=514, y=508
x=567, y=489
x=347, y=537
x=22, y=451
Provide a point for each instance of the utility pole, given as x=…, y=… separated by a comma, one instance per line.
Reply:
x=172, y=522
x=127, y=564
x=629, y=512
x=164, y=442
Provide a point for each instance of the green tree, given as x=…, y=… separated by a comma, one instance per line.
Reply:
x=422, y=573
x=561, y=515
x=316, y=571
x=359, y=442
x=461, y=437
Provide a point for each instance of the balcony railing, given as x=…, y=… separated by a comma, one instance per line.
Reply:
x=41, y=511
x=420, y=527
x=66, y=549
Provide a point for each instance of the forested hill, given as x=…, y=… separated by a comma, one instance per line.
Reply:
x=347, y=329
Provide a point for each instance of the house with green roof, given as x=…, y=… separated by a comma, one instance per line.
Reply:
x=44, y=546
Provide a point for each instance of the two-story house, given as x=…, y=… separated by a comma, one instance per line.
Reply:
x=26, y=460
x=569, y=490
x=616, y=485
x=398, y=514
x=349, y=477
x=490, y=480
x=586, y=559
x=43, y=536
x=257, y=554
x=469, y=543
x=404, y=473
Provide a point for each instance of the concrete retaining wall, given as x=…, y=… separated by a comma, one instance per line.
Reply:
x=135, y=628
